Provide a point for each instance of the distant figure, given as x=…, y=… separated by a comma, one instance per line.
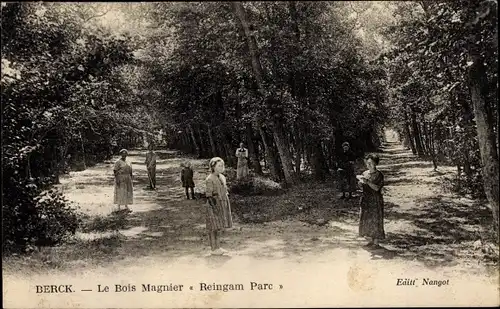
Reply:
x=218, y=206
x=124, y=192
x=187, y=178
x=242, y=167
x=151, y=167
x=371, y=222
x=345, y=167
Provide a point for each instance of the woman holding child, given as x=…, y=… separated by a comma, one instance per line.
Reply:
x=371, y=222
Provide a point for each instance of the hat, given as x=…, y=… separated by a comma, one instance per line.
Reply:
x=124, y=151
x=345, y=144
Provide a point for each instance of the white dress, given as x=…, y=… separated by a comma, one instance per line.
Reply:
x=242, y=167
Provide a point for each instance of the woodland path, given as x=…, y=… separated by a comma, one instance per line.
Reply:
x=431, y=234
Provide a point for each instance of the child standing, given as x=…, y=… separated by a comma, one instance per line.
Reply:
x=187, y=179
x=218, y=206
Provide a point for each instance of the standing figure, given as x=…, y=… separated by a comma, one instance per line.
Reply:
x=242, y=167
x=151, y=167
x=187, y=179
x=218, y=206
x=124, y=192
x=345, y=165
x=371, y=222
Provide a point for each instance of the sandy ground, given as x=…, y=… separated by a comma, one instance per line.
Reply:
x=163, y=241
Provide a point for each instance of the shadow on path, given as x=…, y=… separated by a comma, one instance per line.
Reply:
x=420, y=224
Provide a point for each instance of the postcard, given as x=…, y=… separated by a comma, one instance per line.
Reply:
x=249, y=154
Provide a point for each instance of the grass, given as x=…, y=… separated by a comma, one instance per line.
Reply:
x=308, y=202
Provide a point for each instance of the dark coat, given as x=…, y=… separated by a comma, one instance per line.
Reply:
x=187, y=177
x=344, y=158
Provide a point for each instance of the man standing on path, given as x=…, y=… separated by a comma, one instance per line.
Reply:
x=345, y=167
x=151, y=167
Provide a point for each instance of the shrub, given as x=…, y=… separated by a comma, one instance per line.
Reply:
x=242, y=186
x=256, y=185
x=264, y=185
x=465, y=185
x=35, y=217
x=230, y=174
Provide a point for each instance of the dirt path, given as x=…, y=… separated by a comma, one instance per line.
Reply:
x=431, y=234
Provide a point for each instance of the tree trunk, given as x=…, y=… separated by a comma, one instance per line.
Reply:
x=203, y=147
x=318, y=161
x=424, y=137
x=309, y=153
x=408, y=133
x=466, y=163
x=292, y=7
x=298, y=148
x=258, y=150
x=431, y=146
x=429, y=137
x=228, y=150
x=212, y=142
x=193, y=139
x=188, y=146
x=416, y=135
x=251, y=42
x=219, y=142
x=252, y=152
x=331, y=154
x=270, y=155
x=279, y=137
x=83, y=152
x=284, y=152
x=484, y=123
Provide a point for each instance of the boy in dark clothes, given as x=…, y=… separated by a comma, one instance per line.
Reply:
x=345, y=165
x=187, y=179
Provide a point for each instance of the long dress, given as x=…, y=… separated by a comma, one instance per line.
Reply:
x=242, y=167
x=151, y=168
x=124, y=192
x=371, y=222
x=219, y=215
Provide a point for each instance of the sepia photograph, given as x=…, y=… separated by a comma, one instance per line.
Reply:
x=257, y=154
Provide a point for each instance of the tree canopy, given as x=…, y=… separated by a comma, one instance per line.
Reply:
x=292, y=80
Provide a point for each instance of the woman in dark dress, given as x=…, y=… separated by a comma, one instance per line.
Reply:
x=347, y=183
x=371, y=223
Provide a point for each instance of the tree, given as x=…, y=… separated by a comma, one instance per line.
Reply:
x=62, y=97
x=446, y=46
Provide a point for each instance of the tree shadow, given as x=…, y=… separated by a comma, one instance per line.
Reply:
x=442, y=230
x=405, y=181
x=439, y=230
x=381, y=253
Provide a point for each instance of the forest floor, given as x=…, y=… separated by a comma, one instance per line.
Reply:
x=307, y=232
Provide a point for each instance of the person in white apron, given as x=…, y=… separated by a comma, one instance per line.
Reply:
x=242, y=167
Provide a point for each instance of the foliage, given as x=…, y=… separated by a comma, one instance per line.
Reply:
x=32, y=217
x=317, y=84
x=430, y=100
x=78, y=84
x=255, y=185
x=64, y=93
